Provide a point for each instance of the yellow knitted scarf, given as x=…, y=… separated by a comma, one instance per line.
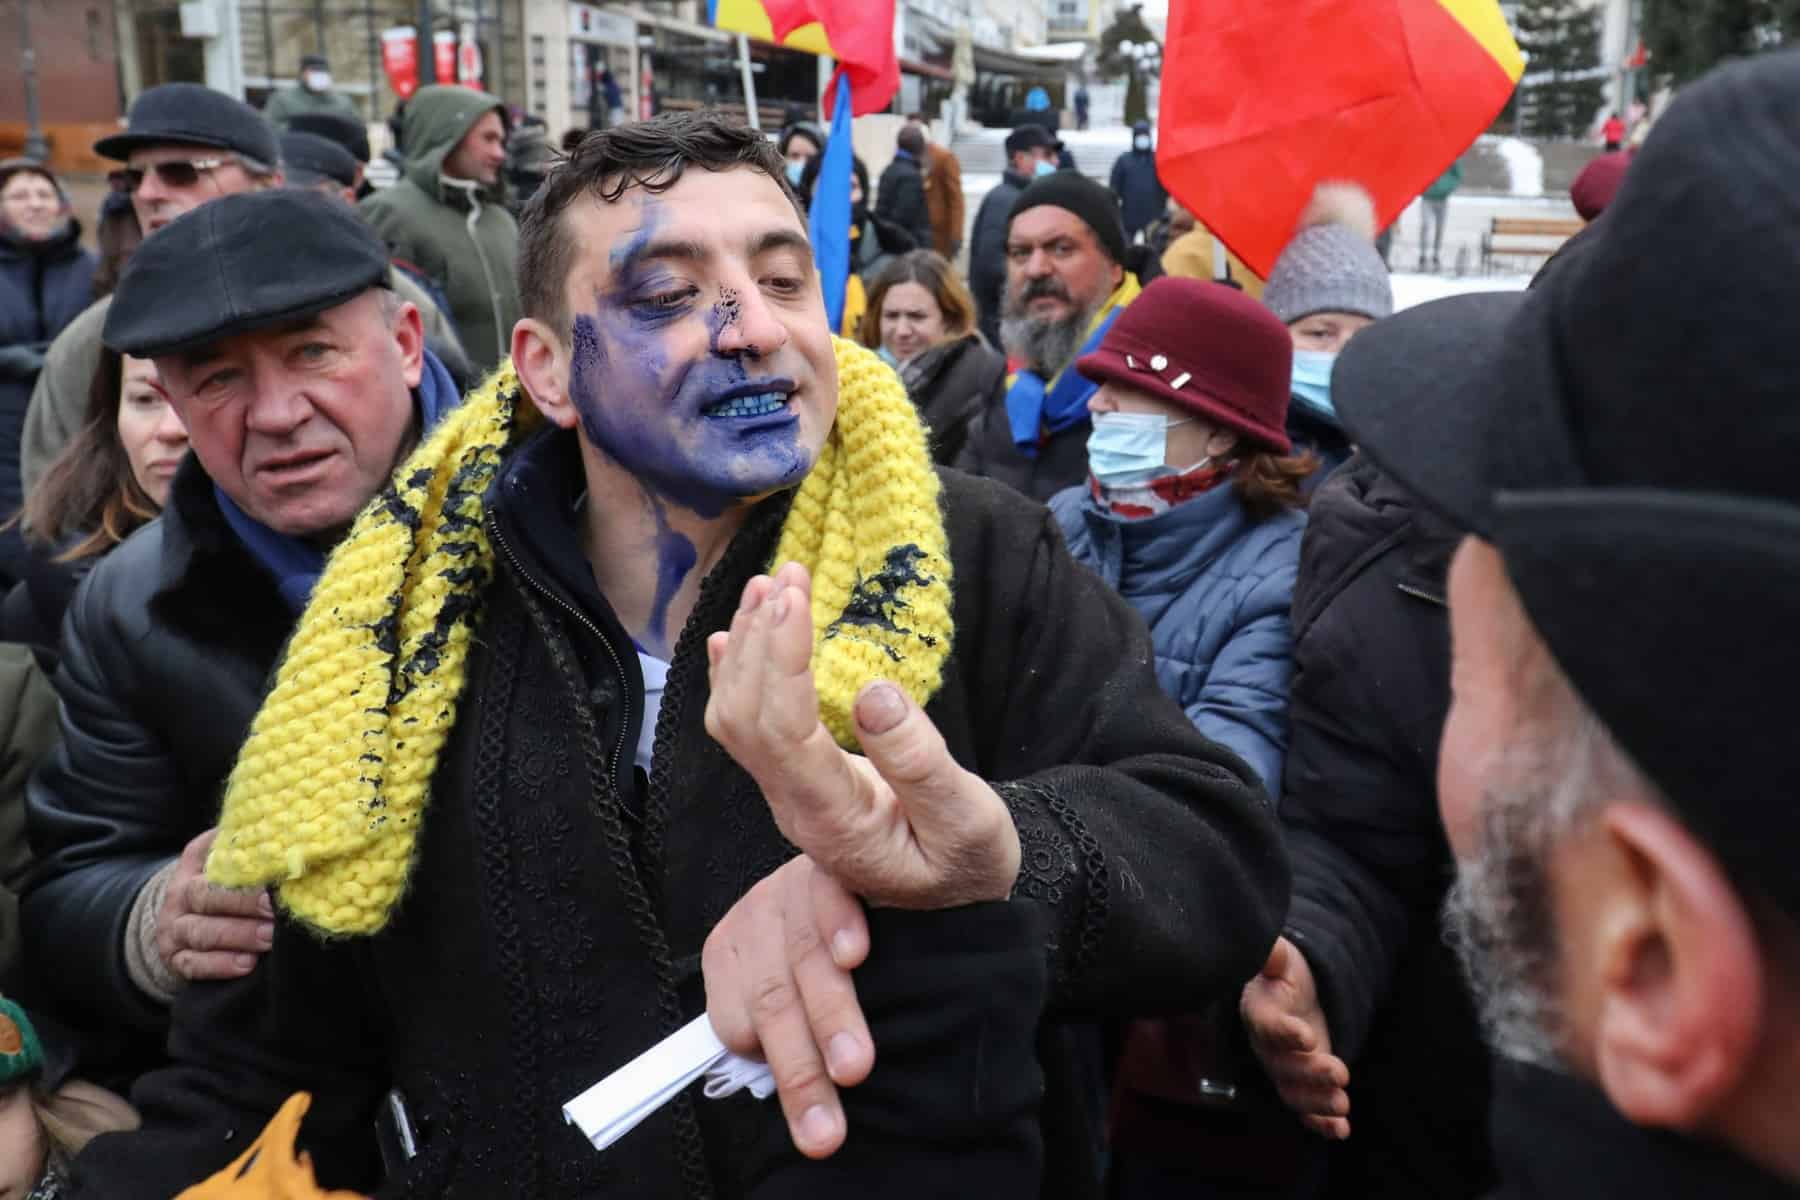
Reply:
x=325, y=801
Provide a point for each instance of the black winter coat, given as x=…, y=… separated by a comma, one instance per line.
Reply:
x=557, y=910
x=987, y=250
x=951, y=385
x=1371, y=865
x=1560, y=1138
x=1061, y=462
x=1141, y=195
x=900, y=198
x=166, y=650
x=43, y=286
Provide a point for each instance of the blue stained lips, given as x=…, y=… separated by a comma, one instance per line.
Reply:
x=751, y=398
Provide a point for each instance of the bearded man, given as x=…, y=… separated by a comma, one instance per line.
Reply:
x=1065, y=282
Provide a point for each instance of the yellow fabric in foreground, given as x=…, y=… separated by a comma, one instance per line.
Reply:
x=329, y=789
x=1487, y=25
x=269, y=1169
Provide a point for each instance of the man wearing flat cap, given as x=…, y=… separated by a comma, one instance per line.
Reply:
x=299, y=389
x=1615, y=775
x=183, y=145
x=1066, y=280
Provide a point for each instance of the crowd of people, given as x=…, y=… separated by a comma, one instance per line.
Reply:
x=1097, y=722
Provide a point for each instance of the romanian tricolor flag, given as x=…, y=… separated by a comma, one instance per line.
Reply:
x=858, y=33
x=1262, y=102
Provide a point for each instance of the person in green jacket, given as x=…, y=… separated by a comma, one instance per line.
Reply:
x=312, y=94
x=1434, y=208
x=447, y=215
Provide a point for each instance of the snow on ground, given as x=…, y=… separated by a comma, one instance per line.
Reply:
x=1523, y=160
x=1411, y=289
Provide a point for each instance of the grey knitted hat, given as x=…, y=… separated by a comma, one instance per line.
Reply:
x=1332, y=265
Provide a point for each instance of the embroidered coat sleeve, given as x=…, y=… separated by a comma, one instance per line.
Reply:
x=1156, y=849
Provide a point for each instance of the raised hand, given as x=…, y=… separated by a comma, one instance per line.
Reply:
x=901, y=824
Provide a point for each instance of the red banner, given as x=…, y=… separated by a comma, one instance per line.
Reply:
x=443, y=57
x=400, y=59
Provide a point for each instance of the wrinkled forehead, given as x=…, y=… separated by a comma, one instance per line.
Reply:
x=352, y=321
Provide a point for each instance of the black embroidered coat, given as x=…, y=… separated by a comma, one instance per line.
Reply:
x=559, y=902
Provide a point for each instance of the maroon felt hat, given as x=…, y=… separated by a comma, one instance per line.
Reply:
x=1599, y=182
x=1206, y=347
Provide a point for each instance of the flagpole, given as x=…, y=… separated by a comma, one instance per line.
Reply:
x=750, y=112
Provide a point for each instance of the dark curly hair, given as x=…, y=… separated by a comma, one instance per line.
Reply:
x=651, y=155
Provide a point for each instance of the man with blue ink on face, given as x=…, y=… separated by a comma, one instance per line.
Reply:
x=725, y=701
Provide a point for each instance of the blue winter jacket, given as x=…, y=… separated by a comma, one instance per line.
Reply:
x=1215, y=589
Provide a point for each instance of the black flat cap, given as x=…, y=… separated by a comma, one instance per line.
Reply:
x=307, y=158
x=194, y=115
x=238, y=264
x=1627, y=436
x=351, y=135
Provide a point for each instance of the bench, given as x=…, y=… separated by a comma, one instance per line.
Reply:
x=1526, y=237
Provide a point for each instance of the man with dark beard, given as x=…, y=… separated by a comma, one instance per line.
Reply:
x=1065, y=282
x=1612, y=765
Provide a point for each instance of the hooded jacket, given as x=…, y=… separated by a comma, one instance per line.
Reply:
x=456, y=232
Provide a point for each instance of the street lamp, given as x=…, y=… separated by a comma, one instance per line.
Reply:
x=35, y=145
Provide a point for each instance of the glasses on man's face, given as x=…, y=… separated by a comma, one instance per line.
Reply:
x=175, y=173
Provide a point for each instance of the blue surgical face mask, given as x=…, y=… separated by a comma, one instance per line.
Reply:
x=1128, y=448
x=887, y=356
x=1043, y=168
x=794, y=171
x=1312, y=379
x=1141, y=142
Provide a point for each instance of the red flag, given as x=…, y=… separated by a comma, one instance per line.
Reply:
x=1262, y=102
x=861, y=33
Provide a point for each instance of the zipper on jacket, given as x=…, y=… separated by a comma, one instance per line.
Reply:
x=493, y=528
x=1422, y=594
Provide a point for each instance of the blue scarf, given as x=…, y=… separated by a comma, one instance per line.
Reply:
x=1034, y=407
x=295, y=563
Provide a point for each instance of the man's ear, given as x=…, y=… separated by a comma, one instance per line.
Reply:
x=542, y=362
x=1682, y=985
x=409, y=334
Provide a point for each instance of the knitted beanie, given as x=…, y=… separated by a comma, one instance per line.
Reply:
x=1332, y=265
x=21, y=1055
x=1081, y=196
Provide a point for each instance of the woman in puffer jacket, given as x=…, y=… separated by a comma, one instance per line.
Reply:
x=1191, y=509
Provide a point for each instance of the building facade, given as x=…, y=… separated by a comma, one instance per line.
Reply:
x=76, y=62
